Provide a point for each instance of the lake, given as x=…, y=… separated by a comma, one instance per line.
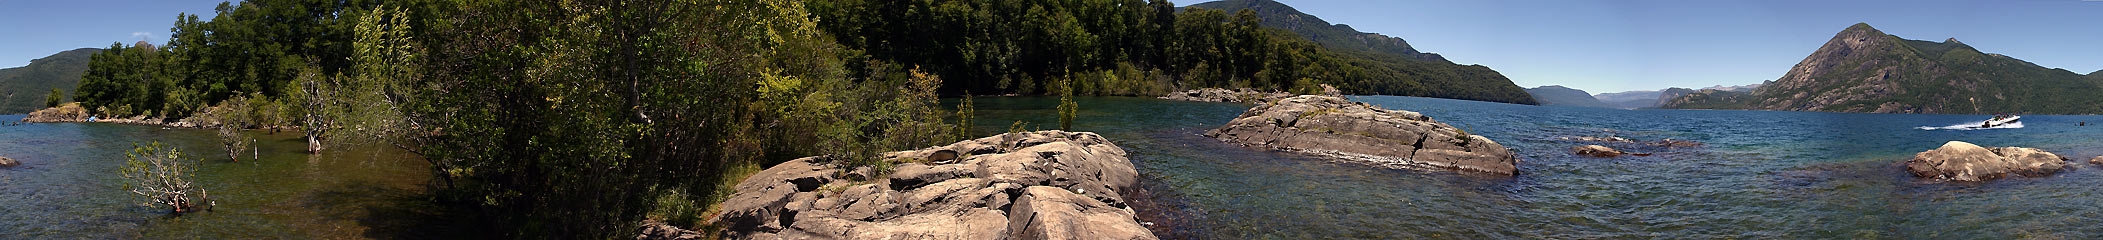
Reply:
x=1760, y=174
x=68, y=187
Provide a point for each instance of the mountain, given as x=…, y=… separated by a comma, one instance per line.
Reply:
x=1557, y=95
x=1391, y=56
x=1739, y=88
x=1333, y=36
x=1630, y=99
x=1706, y=99
x=22, y=89
x=1862, y=69
x=1669, y=94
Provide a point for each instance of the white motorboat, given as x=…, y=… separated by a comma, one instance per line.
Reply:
x=2001, y=120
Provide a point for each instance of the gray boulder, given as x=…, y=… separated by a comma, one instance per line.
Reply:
x=1334, y=127
x=1032, y=185
x=1962, y=161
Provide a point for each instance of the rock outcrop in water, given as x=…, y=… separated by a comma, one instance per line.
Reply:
x=1962, y=161
x=1032, y=185
x=9, y=162
x=74, y=113
x=69, y=112
x=1335, y=127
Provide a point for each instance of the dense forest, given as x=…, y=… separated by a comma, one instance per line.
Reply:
x=578, y=119
x=1134, y=47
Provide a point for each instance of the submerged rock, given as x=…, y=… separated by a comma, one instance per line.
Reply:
x=1596, y=151
x=1962, y=161
x=1243, y=95
x=1609, y=139
x=1335, y=127
x=1031, y=185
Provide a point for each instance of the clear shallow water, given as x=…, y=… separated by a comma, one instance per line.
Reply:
x=1761, y=174
x=68, y=187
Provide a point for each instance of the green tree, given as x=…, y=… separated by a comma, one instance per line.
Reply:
x=965, y=112
x=625, y=100
x=54, y=98
x=1067, y=108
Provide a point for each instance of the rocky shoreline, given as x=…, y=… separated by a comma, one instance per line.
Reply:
x=1339, y=128
x=1240, y=95
x=73, y=113
x=1029, y=185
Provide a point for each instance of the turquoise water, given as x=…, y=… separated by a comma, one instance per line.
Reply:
x=1761, y=174
x=68, y=187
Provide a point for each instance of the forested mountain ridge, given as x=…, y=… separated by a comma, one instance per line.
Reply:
x=1558, y=95
x=1334, y=36
x=23, y=89
x=1129, y=47
x=1865, y=70
x=1400, y=68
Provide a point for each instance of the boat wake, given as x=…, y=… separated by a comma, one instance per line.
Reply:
x=1972, y=126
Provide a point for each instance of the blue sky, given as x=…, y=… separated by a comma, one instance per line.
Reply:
x=1598, y=46
x=31, y=29
x=1623, y=45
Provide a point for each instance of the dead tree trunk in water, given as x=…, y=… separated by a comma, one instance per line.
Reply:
x=315, y=122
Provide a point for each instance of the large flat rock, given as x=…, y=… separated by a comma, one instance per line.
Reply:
x=1336, y=127
x=1962, y=161
x=1031, y=185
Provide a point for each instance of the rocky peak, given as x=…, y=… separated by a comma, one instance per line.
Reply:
x=1856, y=49
x=1862, y=69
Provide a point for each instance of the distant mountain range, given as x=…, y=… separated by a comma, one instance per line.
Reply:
x=1436, y=76
x=1637, y=100
x=1862, y=69
x=1557, y=95
x=22, y=89
x=1630, y=99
